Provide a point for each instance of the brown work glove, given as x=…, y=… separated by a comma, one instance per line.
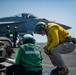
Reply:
x=46, y=51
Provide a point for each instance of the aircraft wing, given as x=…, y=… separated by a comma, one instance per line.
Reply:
x=47, y=21
x=64, y=26
x=9, y=19
x=9, y=23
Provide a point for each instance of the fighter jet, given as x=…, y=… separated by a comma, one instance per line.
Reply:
x=25, y=23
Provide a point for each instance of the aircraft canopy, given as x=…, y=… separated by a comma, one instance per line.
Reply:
x=26, y=15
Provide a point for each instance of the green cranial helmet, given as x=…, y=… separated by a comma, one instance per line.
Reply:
x=39, y=27
x=28, y=38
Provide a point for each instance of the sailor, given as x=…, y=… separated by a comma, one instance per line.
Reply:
x=59, y=41
x=14, y=36
x=7, y=32
x=28, y=60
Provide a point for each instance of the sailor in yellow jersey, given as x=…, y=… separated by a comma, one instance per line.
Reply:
x=59, y=41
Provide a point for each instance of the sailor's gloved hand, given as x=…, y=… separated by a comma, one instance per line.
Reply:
x=46, y=51
x=44, y=47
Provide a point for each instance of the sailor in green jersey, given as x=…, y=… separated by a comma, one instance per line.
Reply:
x=7, y=32
x=29, y=58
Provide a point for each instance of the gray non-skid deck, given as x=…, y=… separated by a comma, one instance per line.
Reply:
x=70, y=60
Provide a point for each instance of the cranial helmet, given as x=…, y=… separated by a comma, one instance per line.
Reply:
x=39, y=27
x=15, y=27
x=8, y=26
x=28, y=38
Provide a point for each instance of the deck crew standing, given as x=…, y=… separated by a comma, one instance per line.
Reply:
x=7, y=32
x=14, y=36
